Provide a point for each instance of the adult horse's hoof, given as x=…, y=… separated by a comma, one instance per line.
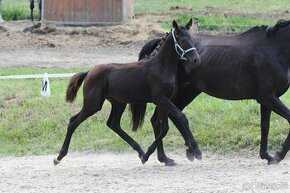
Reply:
x=199, y=157
x=198, y=154
x=170, y=162
x=273, y=162
x=55, y=161
x=189, y=155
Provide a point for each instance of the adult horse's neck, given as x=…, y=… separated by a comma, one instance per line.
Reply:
x=167, y=55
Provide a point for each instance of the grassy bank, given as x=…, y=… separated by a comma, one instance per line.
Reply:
x=228, y=16
x=15, y=9
x=31, y=124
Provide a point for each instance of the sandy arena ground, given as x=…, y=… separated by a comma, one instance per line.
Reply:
x=113, y=172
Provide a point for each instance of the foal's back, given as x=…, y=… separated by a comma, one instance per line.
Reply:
x=127, y=82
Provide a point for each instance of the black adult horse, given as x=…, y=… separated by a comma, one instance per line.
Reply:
x=32, y=7
x=251, y=65
x=152, y=80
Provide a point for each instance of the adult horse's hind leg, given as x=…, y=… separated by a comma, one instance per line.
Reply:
x=167, y=106
x=160, y=150
x=183, y=98
x=275, y=104
x=265, y=124
x=92, y=104
x=162, y=118
x=114, y=123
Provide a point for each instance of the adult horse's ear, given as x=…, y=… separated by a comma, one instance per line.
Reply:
x=189, y=24
x=175, y=25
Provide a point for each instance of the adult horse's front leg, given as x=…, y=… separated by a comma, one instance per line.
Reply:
x=275, y=104
x=166, y=105
x=265, y=124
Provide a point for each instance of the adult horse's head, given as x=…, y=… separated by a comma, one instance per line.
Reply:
x=185, y=46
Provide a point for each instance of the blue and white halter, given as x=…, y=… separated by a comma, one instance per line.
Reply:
x=179, y=50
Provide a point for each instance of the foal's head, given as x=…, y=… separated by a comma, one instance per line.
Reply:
x=184, y=45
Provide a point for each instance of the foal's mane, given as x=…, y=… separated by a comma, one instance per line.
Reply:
x=270, y=30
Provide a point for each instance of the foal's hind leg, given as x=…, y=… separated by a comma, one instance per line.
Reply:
x=278, y=107
x=92, y=104
x=114, y=123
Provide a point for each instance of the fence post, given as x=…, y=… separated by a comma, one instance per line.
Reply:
x=1, y=20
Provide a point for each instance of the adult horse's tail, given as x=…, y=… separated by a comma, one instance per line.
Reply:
x=74, y=85
x=138, y=113
x=138, y=110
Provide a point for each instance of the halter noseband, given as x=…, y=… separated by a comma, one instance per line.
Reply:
x=179, y=50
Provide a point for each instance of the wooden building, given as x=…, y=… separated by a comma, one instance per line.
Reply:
x=86, y=12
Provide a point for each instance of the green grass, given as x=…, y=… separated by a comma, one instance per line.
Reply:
x=220, y=22
x=228, y=16
x=245, y=6
x=16, y=9
x=30, y=70
x=31, y=124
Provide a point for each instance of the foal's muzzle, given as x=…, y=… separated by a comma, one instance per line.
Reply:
x=179, y=50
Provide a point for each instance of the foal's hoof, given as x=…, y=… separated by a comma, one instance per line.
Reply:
x=277, y=157
x=143, y=159
x=189, y=155
x=55, y=161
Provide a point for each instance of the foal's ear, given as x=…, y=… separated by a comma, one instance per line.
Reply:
x=189, y=24
x=175, y=25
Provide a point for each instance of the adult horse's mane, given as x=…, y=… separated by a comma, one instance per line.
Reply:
x=270, y=30
x=157, y=47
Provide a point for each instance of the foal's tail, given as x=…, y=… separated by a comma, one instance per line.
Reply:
x=138, y=113
x=74, y=85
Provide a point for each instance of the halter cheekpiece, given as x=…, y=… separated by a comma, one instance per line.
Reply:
x=179, y=50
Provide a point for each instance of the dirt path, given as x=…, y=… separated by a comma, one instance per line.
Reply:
x=69, y=47
x=112, y=172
